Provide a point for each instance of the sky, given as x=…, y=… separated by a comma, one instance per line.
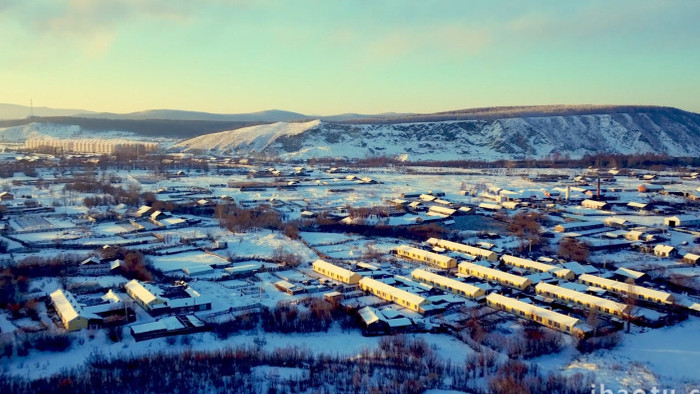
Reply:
x=339, y=56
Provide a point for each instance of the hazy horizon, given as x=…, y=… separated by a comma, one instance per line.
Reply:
x=327, y=58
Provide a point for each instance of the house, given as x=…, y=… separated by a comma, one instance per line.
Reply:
x=638, y=206
x=462, y=248
x=438, y=210
x=691, y=258
x=145, y=295
x=682, y=221
x=425, y=256
x=642, y=293
x=665, y=251
x=71, y=312
x=393, y=294
x=594, y=204
x=336, y=273
x=546, y=317
x=289, y=288
x=6, y=196
x=636, y=235
x=490, y=206
x=491, y=274
x=93, y=266
x=617, y=222
x=375, y=321
x=448, y=284
x=625, y=274
x=535, y=266
x=587, y=301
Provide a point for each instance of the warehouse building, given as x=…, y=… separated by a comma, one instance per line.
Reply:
x=424, y=256
x=491, y=274
x=448, y=284
x=145, y=295
x=485, y=254
x=336, y=273
x=536, y=266
x=582, y=299
x=642, y=293
x=71, y=312
x=546, y=317
x=393, y=294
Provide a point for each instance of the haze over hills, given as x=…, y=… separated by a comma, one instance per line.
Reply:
x=18, y=112
x=476, y=134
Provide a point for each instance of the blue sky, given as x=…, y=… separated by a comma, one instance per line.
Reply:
x=366, y=56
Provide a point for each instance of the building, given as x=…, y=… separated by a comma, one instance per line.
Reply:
x=390, y=293
x=642, y=293
x=424, y=256
x=438, y=210
x=6, y=196
x=169, y=326
x=93, y=266
x=536, y=266
x=587, y=301
x=665, y=251
x=593, y=204
x=682, y=221
x=336, y=273
x=485, y=254
x=71, y=312
x=546, y=317
x=447, y=284
x=145, y=295
x=91, y=145
x=577, y=226
x=691, y=258
x=491, y=274
x=289, y=288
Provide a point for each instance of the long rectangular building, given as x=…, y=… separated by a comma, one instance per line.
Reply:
x=336, y=273
x=70, y=311
x=462, y=248
x=536, y=266
x=643, y=293
x=499, y=276
x=393, y=294
x=546, y=317
x=448, y=284
x=588, y=301
x=424, y=256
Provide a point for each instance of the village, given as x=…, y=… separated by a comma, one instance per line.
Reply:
x=180, y=248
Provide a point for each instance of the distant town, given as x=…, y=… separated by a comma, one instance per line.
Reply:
x=434, y=277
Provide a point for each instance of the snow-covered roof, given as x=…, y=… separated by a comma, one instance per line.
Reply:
x=581, y=298
x=625, y=288
x=140, y=291
x=452, y=284
x=511, y=303
x=527, y=264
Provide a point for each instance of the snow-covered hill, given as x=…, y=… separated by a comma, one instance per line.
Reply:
x=629, y=131
x=48, y=130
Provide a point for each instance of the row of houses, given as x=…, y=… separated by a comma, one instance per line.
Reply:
x=546, y=317
x=426, y=257
x=484, y=254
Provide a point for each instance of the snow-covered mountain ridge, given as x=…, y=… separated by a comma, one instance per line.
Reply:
x=631, y=131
